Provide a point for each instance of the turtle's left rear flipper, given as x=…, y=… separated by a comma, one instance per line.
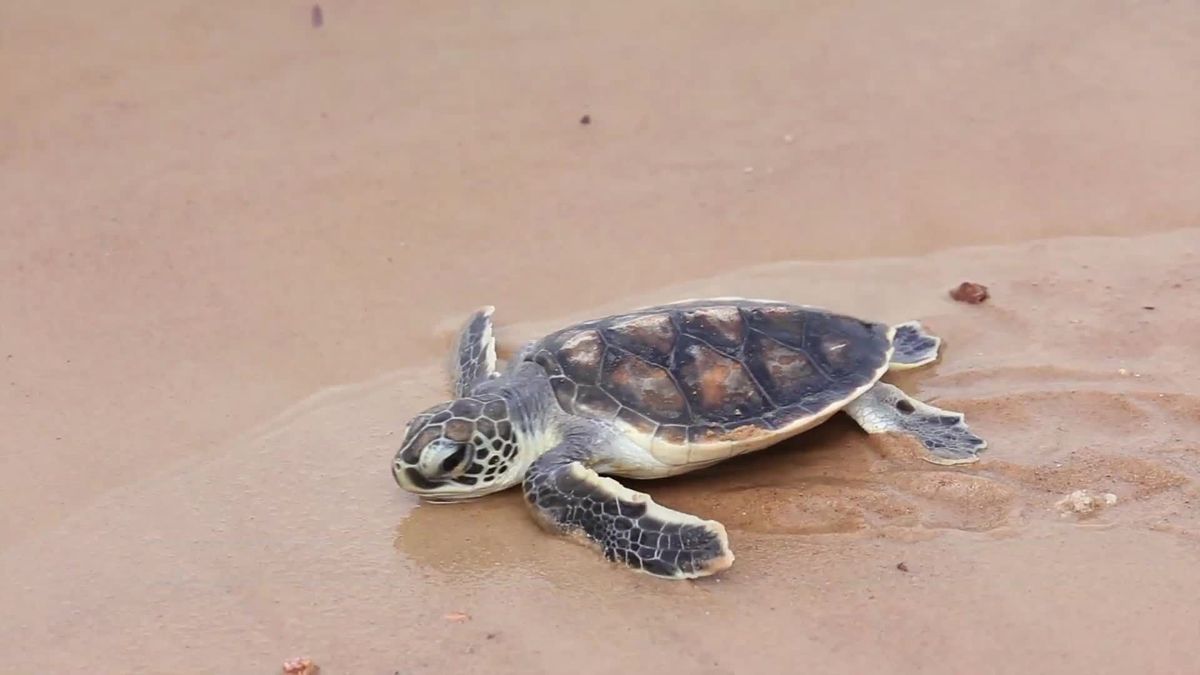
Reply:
x=944, y=433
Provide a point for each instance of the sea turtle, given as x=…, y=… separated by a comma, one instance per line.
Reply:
x=658, y=392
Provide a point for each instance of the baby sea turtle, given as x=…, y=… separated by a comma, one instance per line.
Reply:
x=659, y=392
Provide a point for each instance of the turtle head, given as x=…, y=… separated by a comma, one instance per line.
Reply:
x=459, y=450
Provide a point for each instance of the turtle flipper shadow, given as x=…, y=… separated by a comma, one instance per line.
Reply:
x=626, y=526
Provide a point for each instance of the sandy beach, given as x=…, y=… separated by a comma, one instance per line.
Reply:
x=238, y=244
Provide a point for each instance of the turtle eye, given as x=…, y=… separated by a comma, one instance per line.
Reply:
x=455, y=459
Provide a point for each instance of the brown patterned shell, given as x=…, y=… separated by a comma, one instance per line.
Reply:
x=699, y=381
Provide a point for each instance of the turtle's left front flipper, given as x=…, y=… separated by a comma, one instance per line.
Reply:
x=570, y=498
x=944, y=433
x=474, y=353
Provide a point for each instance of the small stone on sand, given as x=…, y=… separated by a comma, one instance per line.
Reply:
x=970, y=293
x=1083, y=502
x=300, y=667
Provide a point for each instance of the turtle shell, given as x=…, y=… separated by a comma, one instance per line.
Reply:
x=699, y=381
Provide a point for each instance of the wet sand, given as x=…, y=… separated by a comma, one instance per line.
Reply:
x=294, y=539
x=217, y=213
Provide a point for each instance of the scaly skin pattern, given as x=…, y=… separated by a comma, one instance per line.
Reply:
x=944, y=433
x=475, y=353
x=912, y=347
x=626, y=526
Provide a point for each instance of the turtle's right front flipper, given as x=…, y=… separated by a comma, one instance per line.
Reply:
x=569, y=498
x=474, y=353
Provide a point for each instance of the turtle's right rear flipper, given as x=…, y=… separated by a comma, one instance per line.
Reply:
x=913, y=347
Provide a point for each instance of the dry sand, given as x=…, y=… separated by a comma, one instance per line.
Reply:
x=215, y=212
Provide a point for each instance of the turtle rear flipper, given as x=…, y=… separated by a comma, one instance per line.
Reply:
x=944, y=433
x=913, y=347
x=474, y=353
x=627, y=526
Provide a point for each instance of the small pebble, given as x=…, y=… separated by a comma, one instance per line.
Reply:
x=318, y=16
x=970, y=293
x=300, y=667
x=586, y=119
x=902, y=567
x=1084, y=502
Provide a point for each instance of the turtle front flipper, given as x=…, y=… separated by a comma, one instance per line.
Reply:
x=627, y=526
x=474, y=353
x=886, y=409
